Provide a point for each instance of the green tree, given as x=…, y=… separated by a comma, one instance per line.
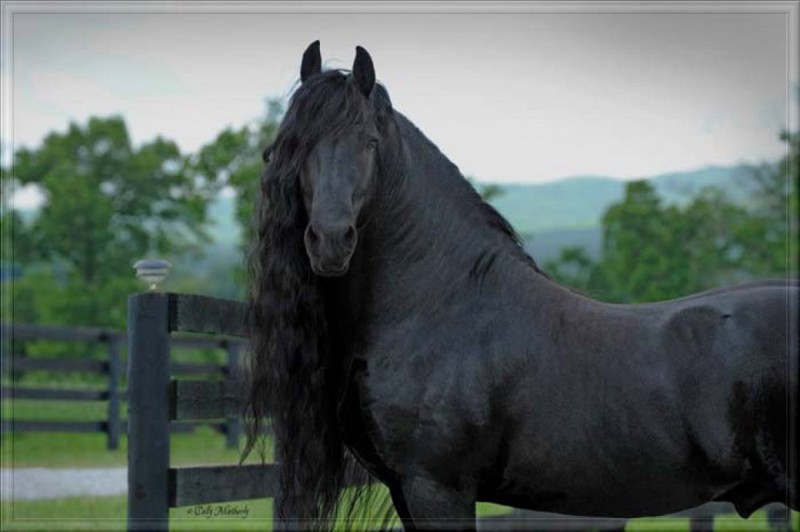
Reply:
x=107, y=204
x=234, y=158
x=576, y=269
x=12, y=223
x=653, y=252
x=772, y=231
x=490, y=191
x=636, y=240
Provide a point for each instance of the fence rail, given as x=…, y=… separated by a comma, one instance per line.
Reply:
x=194, y=400
x=113, y=426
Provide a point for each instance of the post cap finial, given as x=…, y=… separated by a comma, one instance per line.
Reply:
x=152, y=271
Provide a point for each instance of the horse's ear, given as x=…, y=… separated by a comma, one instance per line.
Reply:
x=312, y=62
x=364, y=71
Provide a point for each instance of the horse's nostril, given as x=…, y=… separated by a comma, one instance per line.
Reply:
x=350, y=235
x=330, y=236
x=313, y=237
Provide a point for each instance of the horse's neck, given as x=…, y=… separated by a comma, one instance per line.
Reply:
x=429, y=238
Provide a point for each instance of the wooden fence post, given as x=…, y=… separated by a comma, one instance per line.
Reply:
x=113, y=428
x=233, y=426
x=148, y=413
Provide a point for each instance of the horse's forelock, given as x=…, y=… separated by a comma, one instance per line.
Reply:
x=325, y=105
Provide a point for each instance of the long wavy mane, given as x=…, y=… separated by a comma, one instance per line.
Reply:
x=295, y=373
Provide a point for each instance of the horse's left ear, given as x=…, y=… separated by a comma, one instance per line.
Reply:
x=312, y=62
x=364, y=71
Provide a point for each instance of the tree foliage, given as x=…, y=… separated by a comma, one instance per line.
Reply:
x=653, y=251
x=234, y=158
x=773, y=231
x=107, y=204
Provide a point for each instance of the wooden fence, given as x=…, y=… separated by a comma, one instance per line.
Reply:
x=156, y=401
x=13, y=362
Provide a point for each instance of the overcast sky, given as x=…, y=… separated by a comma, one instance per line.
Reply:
x=508, y=98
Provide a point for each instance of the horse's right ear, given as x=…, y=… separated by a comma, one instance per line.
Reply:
x=364, y=71
x=312, y=62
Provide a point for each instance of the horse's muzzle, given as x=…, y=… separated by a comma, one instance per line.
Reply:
x=330, y=248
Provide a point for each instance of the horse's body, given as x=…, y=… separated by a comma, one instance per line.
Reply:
x=459, y=372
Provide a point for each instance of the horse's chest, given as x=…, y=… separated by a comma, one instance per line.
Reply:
x=358, y=426
x=429, y=413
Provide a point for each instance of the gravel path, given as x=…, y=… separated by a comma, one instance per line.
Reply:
x=42, y=483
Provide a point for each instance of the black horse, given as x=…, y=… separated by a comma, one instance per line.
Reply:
x=395, y=318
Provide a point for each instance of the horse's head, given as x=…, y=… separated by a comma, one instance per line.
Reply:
x=317, y=192
x=340, y=167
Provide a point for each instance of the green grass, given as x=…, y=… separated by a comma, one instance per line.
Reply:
x=733, y=523
x=79, y=513
x=490, y=508
x=41, y=410
x=658, y=524
x=108, y=513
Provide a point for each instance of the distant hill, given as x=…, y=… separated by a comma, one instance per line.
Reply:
x=579, y=202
